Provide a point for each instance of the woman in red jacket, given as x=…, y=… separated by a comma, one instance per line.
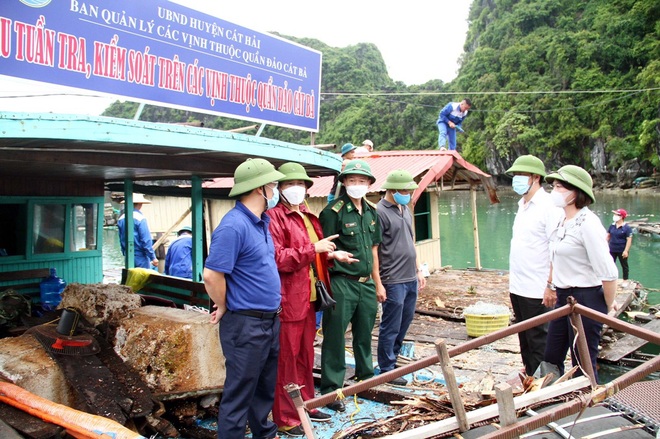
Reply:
x=298, y=238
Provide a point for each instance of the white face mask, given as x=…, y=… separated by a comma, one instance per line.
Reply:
x=295, y=195
x=559, y=198
x=357, y=191
x=616, y=218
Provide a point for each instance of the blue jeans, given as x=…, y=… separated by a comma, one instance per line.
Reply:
x=446, y=134
x=398, y=313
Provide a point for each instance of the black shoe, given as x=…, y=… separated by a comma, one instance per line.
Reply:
x=319, y=416
x=400, y=381
x=296, y=431
x=337, y=405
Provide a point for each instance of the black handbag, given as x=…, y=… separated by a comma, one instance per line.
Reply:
x=323, y=298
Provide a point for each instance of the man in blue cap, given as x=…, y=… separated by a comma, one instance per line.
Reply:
x=178, y=261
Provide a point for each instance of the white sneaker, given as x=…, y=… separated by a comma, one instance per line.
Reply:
x=625, y=284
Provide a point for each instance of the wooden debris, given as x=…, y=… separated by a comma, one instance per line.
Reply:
x=627, y=344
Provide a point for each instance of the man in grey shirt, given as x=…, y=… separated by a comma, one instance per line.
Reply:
x=399, y=271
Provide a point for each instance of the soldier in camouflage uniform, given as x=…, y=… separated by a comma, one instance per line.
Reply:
x=356, y=287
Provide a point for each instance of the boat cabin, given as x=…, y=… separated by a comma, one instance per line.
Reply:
x=55, y=169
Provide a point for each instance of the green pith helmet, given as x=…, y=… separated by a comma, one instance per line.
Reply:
x=527, y=164
x=253, y=173
x=357, y=167
x=400, y=179
x=295, y=171
x=348, y=147
x=575, y=176
x=184, y=229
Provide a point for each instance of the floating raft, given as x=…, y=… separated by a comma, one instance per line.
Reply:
x=646, y=228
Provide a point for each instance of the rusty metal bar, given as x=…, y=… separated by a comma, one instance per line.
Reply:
x=322, y=400
x=294, y=393
x=583, y=348
x=576, y=405
x=612, y=322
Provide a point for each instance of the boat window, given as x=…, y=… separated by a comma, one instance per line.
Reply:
x=12, y=235
x=49, y=221
x=423, y=229
x=84, y=218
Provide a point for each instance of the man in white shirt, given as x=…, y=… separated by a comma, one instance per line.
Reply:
x=367, y=146
x=529, y=258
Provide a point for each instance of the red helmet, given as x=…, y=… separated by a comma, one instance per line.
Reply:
x=621, y=212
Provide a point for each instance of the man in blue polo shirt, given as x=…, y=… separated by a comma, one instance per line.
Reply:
x=241, y=278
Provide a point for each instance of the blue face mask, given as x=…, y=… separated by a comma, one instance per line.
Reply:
x=272, y=201
x=401, y=199
x=520, y=184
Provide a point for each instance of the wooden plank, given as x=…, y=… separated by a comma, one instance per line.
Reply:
x=506, y=408
x=29, y=426
x=627, y=344
x=623, y=299
x=131, y=385
x=94, y=384
x=6, y=432
x=9, y=276
x=452, y=385
x=491, y=411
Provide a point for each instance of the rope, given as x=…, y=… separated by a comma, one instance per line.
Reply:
x=357, y=408
x=429, y=381
x=10, y=315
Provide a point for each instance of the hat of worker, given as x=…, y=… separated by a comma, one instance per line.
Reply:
x=575, y=176
x=253, y=173
x=138, y=199
x=527, y=164
x=348, y=147
x=183, y=230
x=400, y=179
x=357, y=167
x=368, y=142
x=623, y=213
x=295, y=171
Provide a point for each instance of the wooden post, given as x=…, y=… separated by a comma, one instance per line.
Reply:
x=452, y=386
x=174, y=226
x=475, y=227
x=208, y=231
x=505, y=405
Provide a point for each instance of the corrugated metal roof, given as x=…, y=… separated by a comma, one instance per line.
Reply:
x=426, y=167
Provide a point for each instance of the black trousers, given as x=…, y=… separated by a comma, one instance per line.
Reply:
x=532, y=341
x=624, y=263
x=560, y=333
x=251, y=347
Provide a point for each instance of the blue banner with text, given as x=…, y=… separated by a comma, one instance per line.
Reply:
x=162, y=53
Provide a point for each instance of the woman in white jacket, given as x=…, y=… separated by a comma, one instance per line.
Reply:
x=581, y=265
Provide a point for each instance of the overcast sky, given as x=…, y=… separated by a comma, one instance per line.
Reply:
x=419, y=40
